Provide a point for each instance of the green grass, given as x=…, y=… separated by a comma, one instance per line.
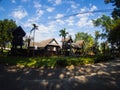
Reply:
x=46, y=61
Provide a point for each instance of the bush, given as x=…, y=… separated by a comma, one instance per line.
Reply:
x=103, y=58
x=61, y=63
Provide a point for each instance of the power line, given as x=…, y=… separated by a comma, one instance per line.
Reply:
x=75, y=14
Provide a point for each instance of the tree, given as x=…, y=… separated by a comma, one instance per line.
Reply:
x=114, y=34
x=111, y=29
x=105, y=23
x=6, y=29
x=63, y=33
x=89, y=40
x=97, y=36
x=35, y=27
x=116, y=11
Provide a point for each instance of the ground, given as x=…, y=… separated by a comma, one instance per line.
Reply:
x=99, y=76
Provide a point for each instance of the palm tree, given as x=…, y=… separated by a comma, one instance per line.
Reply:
x=63, y=33
x=33, y=29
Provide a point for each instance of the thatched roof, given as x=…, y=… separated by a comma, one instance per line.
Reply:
x=44, y=43
x=78, y=44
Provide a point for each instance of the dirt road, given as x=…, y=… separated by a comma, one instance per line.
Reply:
x=100, y=76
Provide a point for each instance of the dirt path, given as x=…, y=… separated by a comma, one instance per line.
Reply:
x=100, y=76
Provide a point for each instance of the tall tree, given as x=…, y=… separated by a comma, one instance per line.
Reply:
x=35, y=27
x=97, y=36
x=111, y=29
x=6, y=29
x=116, y=11
x=105, y=23
x=114, y=34
x=63, y=33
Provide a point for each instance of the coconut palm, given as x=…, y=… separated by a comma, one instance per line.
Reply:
x=35, y=27
x=63, y=33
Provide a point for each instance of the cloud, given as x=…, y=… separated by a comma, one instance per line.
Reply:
x=13, y=1
x=44, y=32
x=74, y=5
x=19, y=13
x=84, y=19
x=39, y=12
x=93, y=8
x=84, y=22
x=37, y=4
x=50, y=9
x=59, y=16
x=70, y=21
x=55, y=2
x=59, y=21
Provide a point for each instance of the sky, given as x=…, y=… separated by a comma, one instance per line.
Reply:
x=53, y=15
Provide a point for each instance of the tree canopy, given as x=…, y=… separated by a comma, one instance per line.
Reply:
x=111, y=28
x=116, y=11
x=6, y=29
x=63, y=33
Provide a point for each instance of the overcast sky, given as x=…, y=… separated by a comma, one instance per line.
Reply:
x=48, y=15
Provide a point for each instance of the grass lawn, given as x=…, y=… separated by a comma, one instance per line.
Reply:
x=46, y=61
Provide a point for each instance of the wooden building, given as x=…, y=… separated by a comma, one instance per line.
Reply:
x=47, y=47
x=66, y=46
x=78, y=47
x=18, y=35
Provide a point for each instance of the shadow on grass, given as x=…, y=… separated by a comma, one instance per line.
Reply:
x=100, y=76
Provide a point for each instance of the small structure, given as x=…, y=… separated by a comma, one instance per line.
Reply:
x=78, y=47
x=47, y=47
x=18, y=35
x=17, y=42
x=66, y=47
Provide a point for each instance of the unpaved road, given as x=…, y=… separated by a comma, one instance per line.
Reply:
x=100, y=76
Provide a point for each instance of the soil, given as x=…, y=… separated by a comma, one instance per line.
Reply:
x=99, y=76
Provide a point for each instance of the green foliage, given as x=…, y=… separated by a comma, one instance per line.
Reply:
x=6, y=29
x=63, y=33
x=89, y=40
x=46, y=61
x=104, y=22
x=103, y=58
x=54, y=61
x=114, y=34
x=111, y=28
x=116, y=11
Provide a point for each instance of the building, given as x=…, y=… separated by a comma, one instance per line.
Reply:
x=47, y=47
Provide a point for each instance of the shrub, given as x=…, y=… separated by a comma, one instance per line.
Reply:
x=61, y=63
x=103, y=58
